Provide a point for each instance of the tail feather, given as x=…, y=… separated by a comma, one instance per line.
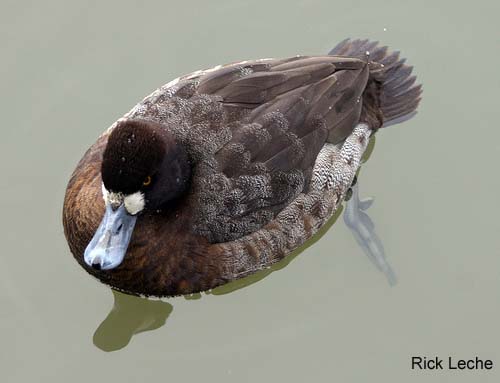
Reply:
x=398, y=95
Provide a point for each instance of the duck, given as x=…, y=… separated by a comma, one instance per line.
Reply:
x=223, y=172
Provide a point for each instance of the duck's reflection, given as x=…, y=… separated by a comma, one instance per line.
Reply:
x=129, y=316
x=132, y=315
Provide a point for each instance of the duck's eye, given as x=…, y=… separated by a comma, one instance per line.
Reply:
x=147, y=181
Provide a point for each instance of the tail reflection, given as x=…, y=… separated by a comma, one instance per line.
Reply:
x=129, y=316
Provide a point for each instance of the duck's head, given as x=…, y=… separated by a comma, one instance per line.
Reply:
x=143, y=169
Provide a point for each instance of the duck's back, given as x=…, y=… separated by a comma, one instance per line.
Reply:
x=254, y=130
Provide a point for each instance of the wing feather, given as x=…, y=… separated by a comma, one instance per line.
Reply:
x=285, y=112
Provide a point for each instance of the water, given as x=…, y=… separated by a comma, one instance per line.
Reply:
x=68, y=70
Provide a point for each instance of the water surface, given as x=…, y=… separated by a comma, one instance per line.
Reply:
x=69, y=69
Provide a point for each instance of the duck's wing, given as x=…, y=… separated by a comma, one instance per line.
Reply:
x=287, y=110
x=303, y=89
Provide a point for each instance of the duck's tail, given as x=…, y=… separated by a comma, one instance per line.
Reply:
x=391, y=95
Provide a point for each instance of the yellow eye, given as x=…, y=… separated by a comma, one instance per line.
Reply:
x=147, y=181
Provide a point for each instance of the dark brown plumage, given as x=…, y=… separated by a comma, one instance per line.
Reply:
x=135, y=151
x=244, y=140
x=141, y=149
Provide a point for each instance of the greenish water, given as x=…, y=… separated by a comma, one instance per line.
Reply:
x=69, y=69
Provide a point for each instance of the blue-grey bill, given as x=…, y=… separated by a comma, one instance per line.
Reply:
x=107, y=248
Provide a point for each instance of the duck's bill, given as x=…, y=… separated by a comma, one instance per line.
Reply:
x=107, y=248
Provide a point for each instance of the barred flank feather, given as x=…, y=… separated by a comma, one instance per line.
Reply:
x=398, y=96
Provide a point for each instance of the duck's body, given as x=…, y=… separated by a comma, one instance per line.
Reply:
x=272, y=147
